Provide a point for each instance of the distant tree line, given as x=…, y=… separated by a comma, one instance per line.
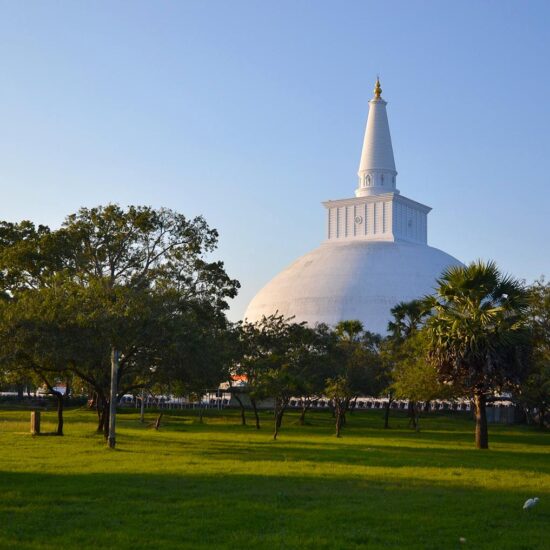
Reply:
x=120, y=301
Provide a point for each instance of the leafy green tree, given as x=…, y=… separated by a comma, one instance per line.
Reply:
x=315, y=367
x=251, y=360
x=414, y=378
x=534, y=392
x=271, y=363
x=279, y=359
x=340, y=391
x=130, y=281
x=478, y=338
x=196, y=354
x=125, y=254
x=298, y=352
x=34, y=343
x=388, y=353
x=355, y=367
x=29, y=257
x=408, y=319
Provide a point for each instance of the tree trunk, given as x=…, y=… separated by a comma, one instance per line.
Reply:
x=276, y=414
x=59, y=397
x=482, y=435
x=340, y=408
x=100, y=408
x=302, y=420
x=411, y=414
x=241, y=405
x=35, y=422
x=387, y=415
x=278, y=422
x=339, y=414
x=338, y=424
x=113, y=398
x=105, y=414
x=157, y=422
x=142, y=407
x=99, y=411
x=280, y=417
x=279, y=411
x=256, y=415
x=542, y=414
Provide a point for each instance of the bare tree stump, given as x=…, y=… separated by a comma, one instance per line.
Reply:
x=35, y=422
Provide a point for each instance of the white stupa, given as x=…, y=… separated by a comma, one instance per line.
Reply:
x=375, y=253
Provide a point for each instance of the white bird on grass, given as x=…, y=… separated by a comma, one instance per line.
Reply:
x=530, y=503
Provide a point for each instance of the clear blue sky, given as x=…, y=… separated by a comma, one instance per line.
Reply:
x=252, y=112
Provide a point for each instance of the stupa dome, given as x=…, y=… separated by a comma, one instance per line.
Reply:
x=353, y=280
x=375, y=254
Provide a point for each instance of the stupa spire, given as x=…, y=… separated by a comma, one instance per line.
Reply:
x=377, y=89
x=377, y=172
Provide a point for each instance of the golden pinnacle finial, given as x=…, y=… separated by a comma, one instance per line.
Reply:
x=377, y=89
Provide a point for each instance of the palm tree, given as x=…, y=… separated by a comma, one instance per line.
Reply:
x=407, y=317
x=477, y=334
x=349, y=331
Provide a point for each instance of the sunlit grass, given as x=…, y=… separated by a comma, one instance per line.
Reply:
x=221, y=485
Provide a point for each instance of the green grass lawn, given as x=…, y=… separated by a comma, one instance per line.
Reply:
x=221, y=485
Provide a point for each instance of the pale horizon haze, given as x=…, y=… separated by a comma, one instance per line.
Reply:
x=252, y=114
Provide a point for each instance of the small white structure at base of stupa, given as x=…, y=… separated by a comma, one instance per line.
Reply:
x=375, y=254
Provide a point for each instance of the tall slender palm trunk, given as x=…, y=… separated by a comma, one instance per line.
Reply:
x=482, y=434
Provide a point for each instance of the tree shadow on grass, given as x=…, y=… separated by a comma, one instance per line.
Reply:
x=380, y=456
x=372, y=452
x=131, y=510
x=375, y=447
x=435, y=427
